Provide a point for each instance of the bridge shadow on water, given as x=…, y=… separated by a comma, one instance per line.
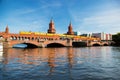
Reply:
x=28, y=45
x=96, y=44
x=52, y=45
x=100, y=45
x=79, y=44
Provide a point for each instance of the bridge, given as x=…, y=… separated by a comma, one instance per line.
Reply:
x=33, y=39
x=49, y=39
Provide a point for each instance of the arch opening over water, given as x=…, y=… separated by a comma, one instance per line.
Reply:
x=25, y=45
x=105, y=45
x=79, y=44
x=55, y=45
x=96, y=44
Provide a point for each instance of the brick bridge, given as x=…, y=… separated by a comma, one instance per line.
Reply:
x=32, y=39
x=49, y=39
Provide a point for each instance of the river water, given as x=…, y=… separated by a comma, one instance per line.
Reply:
x=87, y=63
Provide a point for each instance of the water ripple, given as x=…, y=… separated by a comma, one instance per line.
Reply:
x=94, y=63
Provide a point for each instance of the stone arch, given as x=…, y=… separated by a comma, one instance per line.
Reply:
x=28, y=38
x=96, y=44
x=22, y=38
x=25, y=37
x=105, y=44
x=18, y=37
x=36, y=38
x=55, y=45
x=1, y=37
x=14, y=38
x=11, y=37
x=28, y=45
x=32, y=38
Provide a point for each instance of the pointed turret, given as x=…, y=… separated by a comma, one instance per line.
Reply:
x=51, y=21
x=51, y=27
x=70, y=30
x=7, y=29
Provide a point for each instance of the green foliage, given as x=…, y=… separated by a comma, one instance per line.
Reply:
x=116, y=39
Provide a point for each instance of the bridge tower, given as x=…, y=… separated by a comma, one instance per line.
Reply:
x=51, y=27
x=7, y=30
x=70, y=30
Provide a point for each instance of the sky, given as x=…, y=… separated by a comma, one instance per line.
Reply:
x=86, y=16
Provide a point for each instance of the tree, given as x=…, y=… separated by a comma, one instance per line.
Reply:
x=116, y=39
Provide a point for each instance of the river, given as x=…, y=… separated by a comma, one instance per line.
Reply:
x=86, y=63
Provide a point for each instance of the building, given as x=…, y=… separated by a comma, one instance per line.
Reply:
x=77, y=33
x=102, y=36
x=86, y=35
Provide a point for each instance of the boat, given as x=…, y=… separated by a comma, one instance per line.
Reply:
x=20, y=46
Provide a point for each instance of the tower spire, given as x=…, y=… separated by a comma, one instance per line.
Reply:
x=51, y=20
x=70, y=24
x=51, y=27
x=7, y=29
x=70, y=30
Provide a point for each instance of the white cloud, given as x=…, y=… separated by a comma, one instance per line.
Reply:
x=105, y=20
x=23, y=11
x=51, y=4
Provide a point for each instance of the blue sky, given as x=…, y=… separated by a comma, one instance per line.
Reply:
x=86, y=15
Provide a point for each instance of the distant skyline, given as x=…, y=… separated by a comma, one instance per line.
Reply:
x=87, y=16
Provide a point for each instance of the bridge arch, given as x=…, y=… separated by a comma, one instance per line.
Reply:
x=1, y=36
x=24, y=45
x=30, y=44
x=96, y=44
x=105, y=44
x=55, y=45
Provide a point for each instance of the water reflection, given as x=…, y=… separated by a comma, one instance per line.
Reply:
x=70, y=56
x=38, y=56
x=51, y=60
x=116, y=49
x=1, y=56
x=93, y=63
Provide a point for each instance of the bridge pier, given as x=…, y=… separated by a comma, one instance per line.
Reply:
x=88, y=43
x=69, y=43
x=6, y=45
x=41, y=45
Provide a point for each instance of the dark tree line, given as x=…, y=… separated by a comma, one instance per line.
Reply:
x=116, y=39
